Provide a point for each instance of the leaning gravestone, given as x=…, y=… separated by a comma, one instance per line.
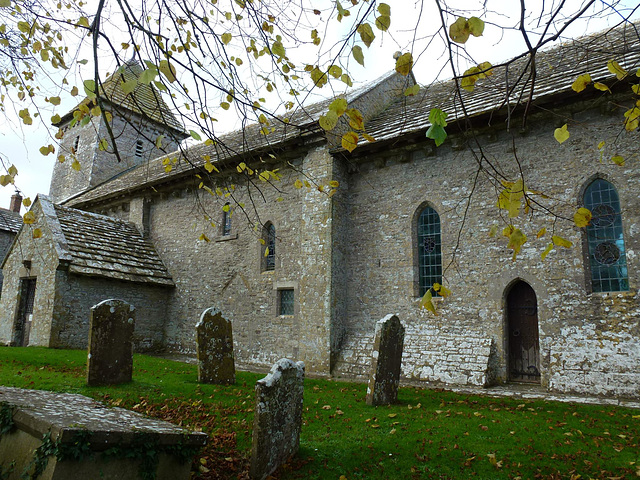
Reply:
x=386, y=362
x=110, y=359
x=214, y=345
x=278, y=417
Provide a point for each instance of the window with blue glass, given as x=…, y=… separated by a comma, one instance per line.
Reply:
x=429, y=250
x=607, y=259
x=269, y=238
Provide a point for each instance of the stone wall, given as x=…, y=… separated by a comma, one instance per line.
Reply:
x=6, y=238
x=584, y=337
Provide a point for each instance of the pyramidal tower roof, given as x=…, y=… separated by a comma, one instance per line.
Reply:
x=145, y=100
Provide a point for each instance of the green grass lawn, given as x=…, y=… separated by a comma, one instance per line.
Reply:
x=428, y=434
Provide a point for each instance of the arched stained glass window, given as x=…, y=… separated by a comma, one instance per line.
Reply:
x=269, y=237
x=605, y=240
x=429, y=250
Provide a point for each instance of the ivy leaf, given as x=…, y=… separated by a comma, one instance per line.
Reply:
x=561, y=134
x=356, y=51
x=350, y=141
x=580, y=83
x=582, y=217
x=404, y=64
x=366, y=34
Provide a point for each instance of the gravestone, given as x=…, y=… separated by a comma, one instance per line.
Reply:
x=278, y=417
x=386, y=362
x=110, y=359
x=214, y=345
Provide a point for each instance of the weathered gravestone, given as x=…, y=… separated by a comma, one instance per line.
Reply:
x=214, y=345
x=110, y=359
x=386, y=362
x=278, y=417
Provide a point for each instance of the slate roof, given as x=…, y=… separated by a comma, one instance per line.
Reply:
x=102, y=246
x=557, y=68
x=145, y=100
x=10, y=221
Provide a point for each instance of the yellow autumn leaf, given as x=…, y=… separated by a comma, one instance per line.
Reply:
x=356, y=119
x=37, y=233
x=544, y=254
x=404, y=64
x=298, y=184
x=29, y=218
x=493, y=230
x=459, y=31
x=541, y=232
x=411, y=91
x=168, y=70
x=266, y=252
x=561, y=242
x=329, y=121
x=601, y=145
x=561, y=134
x=226, y=38
x=76, y=165
x=338, y=105
x=426, y=302
x=368, y=137
x=26, y=202
x=203, y=237
x=618, y=160
x=615, y=68
x=602, y=87
x=334, y=184
x=366, y=34
x=582, y=217
x=580, y=83
x=356, y=51
x=516, y=240
x=54, y=100
x=350, y=141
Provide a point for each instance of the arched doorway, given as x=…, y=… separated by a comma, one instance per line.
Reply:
x=522, y=332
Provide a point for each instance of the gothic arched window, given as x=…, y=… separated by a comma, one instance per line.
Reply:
x=429, y=250
x=607, y=259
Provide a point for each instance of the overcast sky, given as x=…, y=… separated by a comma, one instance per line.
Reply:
x=19, y=144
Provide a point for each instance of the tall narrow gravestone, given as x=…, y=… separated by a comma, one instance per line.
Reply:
x=214, y=345
x=386, y=362
x=110, y=359
x=278, y=417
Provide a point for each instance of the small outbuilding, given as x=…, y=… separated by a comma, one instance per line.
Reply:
x=63, y=262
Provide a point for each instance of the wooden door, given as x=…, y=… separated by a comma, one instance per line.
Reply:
x=25, y=312
x=524, y=345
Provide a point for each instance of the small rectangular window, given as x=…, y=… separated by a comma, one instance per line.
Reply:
x=226, y=220
x=286, y=301
x=139, y=148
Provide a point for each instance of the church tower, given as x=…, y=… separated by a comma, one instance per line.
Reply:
x=138, y=119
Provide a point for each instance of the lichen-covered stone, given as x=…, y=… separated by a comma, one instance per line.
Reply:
x=386, y=361
x=214, y=345
x=278, y=417
x=110, y=358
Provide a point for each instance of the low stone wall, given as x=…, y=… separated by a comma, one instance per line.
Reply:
x=59, y=435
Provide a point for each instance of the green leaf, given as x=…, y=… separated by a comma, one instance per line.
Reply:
x=278, y=49
x=411, y=91
x=5, y=3
x=89, y=88
x=168, y=70
x=319, y=77
x=475, y=26
x=458, y=31
x=438, y=117
x=426, y=302
x=195, y=135
x=383, y=22
x=356, y=51
x=437, y=133
x=148, y=76
x=129, y=86
x=226, y=38
x=366, y=34
x=561, y=242
x=335, y=71
x=544, y=254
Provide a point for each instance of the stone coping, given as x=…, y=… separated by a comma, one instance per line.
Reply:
x=63, y=414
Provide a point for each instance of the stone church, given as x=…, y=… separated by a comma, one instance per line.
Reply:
x=304, y=270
